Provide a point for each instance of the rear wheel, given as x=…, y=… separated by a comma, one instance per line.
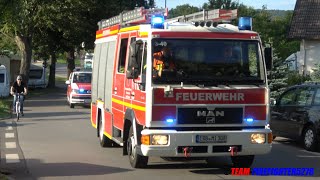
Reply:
x=309, y=138
x=136, y=160
x=104, y=140
x=242, y=161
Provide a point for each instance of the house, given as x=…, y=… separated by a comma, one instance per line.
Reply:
x=305, y=26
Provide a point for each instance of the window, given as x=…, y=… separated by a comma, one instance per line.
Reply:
x=317, y=98
x=82, y=78
x=35, y=74
x=288, y=98
x=1, y=78
x=305, y=96
x=122, y=55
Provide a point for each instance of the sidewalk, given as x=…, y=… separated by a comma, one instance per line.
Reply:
x=13, y=164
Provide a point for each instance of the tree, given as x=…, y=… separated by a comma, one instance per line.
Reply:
x=20, y=18
x=182, y=10
x=222, y=4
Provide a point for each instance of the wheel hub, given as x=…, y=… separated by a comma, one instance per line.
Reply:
x=131, y=147
x=308, y=139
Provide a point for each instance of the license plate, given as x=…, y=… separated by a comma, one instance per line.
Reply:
x=211, y=138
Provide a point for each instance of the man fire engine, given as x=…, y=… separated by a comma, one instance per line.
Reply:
x=204, y=107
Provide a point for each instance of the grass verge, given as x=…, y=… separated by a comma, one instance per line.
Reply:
x=63, y=61
x=5, y=107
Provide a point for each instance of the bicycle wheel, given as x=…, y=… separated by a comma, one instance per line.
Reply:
x=18, y=110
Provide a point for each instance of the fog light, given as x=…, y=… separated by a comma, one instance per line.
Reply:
x=258, y=138
x=159, y=139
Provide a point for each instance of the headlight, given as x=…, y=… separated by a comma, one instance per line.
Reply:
x=159, y=139
x=258, y=138
x=75, y=91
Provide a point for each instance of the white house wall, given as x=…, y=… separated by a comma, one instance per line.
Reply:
x=310, y=50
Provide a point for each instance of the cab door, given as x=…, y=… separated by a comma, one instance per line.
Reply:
x=118, y=91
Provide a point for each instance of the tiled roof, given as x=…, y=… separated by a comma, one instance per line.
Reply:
x=305, y=22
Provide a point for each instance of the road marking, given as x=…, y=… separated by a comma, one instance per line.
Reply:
x=11, y=145
x=309, y=156
x=12, y=158
x=9, y=128
x=9, y=135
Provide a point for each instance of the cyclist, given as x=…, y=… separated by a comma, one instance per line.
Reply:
x=18, y=87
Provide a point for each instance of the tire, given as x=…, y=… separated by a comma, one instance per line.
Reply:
x=104, y=140
x=242, y=161
x=71, y=105
x=309, y=138
x=18, y=111
x=136, y=160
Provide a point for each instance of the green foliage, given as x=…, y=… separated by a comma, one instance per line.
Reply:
x=182, y=10
x=222, y=4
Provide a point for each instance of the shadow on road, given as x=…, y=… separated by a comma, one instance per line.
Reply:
x=65, y=169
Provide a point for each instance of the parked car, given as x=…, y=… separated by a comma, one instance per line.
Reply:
x=37, y=77
x=79, y=88
x=295, y=114
x=88, y=59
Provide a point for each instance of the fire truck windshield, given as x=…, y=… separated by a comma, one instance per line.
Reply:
x=207, y=61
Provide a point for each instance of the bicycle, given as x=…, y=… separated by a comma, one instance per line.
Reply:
x=18, y=105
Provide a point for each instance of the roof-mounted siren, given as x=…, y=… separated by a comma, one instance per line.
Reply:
x=245, y=23
x=157, y=21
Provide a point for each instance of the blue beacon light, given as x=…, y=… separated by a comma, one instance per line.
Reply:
x=169, y=120
x=249, y=119
x=81, y=90
x=245, y=23
x=157, y=21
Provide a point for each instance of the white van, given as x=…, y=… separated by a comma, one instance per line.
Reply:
x=4, y=81
x=37, y=77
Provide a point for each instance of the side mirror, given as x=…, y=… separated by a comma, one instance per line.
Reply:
x=268, y=57
x=68, y=82
x=273, y=102
x=133, y=68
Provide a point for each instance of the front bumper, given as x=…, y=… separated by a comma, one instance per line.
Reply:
x=80, y=99
x=180, y=139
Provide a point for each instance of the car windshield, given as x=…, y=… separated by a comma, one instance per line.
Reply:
x=82, y=78
x=207, y=61
x=35, y=74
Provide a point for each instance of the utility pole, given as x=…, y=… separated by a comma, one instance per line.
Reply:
x=165, y=3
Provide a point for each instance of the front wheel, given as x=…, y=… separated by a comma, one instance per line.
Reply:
x=309, y=138
x=136, y=160
x=242, y=161
x=18, y=111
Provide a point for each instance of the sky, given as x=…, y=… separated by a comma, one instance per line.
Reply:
x=257, y=4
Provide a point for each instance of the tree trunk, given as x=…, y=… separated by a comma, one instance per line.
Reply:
x=52, y=75
x=25, y=46
x=70, y=62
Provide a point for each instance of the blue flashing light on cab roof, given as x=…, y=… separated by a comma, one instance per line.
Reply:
x=157, y=21
x=245, y=23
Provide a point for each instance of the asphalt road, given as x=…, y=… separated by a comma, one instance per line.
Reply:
x=53, y=141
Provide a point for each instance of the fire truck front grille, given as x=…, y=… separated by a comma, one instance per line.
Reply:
x=195, y=149
x=216, y=149
x=204, y=115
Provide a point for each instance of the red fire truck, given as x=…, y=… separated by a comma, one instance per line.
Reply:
x=213, y=101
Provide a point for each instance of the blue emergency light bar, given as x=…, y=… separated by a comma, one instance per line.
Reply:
x=157, y=21
x=245, y=23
